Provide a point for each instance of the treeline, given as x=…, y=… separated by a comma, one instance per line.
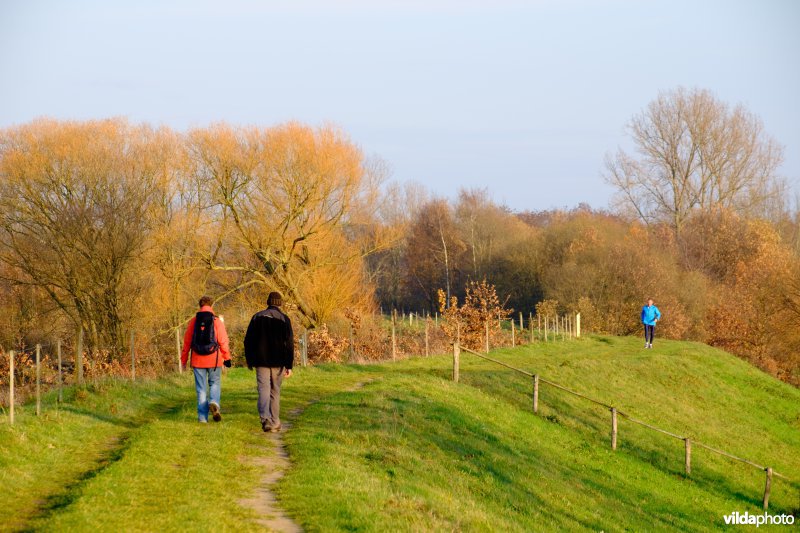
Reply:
x=702, y=223
x=113, y=227
x=727, y=280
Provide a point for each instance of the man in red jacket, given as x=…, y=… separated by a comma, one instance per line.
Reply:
x=207, y=339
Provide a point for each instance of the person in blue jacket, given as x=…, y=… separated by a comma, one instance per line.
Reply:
x=650, y=315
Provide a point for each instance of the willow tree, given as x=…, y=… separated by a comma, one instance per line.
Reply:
x=694, y=151
x=288, y=202
x=75, y=215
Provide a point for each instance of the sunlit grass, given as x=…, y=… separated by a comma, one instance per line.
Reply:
x=411, y=450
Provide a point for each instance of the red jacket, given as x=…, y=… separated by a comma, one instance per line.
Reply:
x=206, y=361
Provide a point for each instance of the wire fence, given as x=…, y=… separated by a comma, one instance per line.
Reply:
x=615, y=414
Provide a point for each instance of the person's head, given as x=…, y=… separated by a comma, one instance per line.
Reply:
x=649, y=301
x=274, y=299
x=206, y=301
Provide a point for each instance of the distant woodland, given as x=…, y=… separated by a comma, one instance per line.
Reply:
x=115, y=227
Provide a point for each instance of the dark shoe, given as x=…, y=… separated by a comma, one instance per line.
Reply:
x=215, y=414
x=265, y=425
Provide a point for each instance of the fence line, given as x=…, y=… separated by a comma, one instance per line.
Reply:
x=614, y=412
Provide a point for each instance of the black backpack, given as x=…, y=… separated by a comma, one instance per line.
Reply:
x=204, y=337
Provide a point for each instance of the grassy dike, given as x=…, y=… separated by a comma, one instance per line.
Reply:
x=410, y=450
x=131, y=457
x=413, y=451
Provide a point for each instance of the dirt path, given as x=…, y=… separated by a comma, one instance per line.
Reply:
x=263, y=502
x=275, y=464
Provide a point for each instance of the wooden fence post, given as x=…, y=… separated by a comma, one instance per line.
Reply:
x=38, y=379
x=545, y=328
x=79, y=356
x=767, y=487
x=352, y=342
x=456, y=355
x=578, y=326
x=11, y=387
x=688, y=460
x=530, y=325
x=133, y=358
x=304, y=352
x=486, y=327
x=613, y=428
x=178, y=348
x=427, y=348
x=394, y=339
x=513, y=334
x=536, y=393
x=92, y=362
x=521, y=325
x=60, y=378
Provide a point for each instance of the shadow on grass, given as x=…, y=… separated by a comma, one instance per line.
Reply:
x=71, y=492
x=113, y=452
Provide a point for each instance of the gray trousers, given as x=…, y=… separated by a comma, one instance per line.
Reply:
x=269, y=394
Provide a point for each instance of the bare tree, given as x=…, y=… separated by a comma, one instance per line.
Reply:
x=397, y=209
x=289, y=199
x=434, y=249
x=695, y=152
x=75, y=215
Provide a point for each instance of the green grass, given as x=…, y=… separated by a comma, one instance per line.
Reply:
x=128, y=457
x=414, y=451
x=411, y=450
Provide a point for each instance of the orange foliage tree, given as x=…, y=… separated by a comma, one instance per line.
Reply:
x=288, y=201
x=468, y=322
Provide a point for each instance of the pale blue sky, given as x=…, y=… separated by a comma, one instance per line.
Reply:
x=523, y=98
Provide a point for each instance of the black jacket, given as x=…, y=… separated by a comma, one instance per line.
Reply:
x=269, y=341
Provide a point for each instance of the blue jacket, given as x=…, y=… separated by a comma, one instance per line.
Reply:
x=649, y=315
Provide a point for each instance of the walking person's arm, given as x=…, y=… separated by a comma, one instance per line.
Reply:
x=223, y=340
x=289, y=347
x=249, y=341
x=187, y=342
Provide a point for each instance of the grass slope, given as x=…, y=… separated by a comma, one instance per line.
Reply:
x=413, y=451
x=131, y=457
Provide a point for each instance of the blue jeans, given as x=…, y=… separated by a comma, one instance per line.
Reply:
x=209, y=388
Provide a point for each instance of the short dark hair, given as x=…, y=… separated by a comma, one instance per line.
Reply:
x=275, y=299
x=206, y=300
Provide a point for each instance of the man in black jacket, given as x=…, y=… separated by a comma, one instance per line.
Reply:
x=269, y=348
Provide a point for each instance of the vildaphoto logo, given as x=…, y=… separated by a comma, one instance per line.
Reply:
x=747, y=519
